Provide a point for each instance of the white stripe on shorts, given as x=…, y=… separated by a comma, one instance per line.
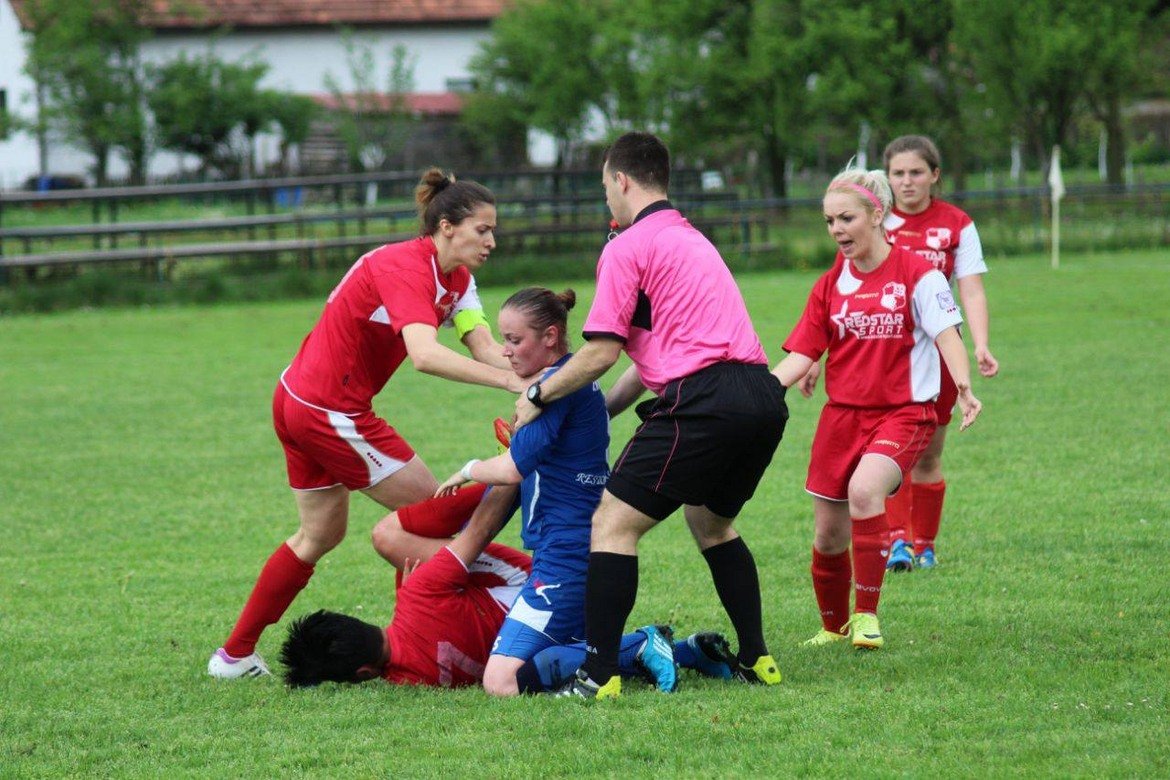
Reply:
x=378, y=464
x=513, y=576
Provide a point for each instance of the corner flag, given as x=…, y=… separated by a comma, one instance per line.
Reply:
x=1055, y=192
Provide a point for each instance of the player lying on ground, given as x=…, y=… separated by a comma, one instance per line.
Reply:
x=449, y=609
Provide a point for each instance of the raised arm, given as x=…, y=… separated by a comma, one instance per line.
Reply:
x=431, y=357
x=587, y=365
x=500, y=470
x=486, y=521
x=485, y=349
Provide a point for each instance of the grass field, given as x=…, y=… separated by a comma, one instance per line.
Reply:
x=142, y=488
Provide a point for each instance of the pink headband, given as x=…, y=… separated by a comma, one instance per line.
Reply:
x=877, y=204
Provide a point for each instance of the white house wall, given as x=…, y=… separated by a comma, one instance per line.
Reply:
x=299, y=61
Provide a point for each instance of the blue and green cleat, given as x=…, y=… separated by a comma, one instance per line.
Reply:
x=656, y=657
x=901, y=556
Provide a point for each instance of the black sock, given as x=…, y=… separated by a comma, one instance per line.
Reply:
x=528, y=678
x=733, y=570
x=610, y=590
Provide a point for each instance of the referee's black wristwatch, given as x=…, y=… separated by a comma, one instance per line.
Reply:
x=533, y=395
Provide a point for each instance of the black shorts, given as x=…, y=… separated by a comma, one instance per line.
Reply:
x=705, y=441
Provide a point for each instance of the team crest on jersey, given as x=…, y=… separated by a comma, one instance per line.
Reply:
x=445, y=303
x=938, y=237
x=893, y=296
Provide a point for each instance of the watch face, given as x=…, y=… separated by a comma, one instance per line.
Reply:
x=533, y=392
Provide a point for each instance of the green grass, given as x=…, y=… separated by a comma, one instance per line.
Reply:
x=142, y=489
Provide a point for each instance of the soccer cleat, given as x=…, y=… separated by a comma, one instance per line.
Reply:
x=763, y=672
x=581, y=686
x=223, y=667
x=901, y=556
x=926, y=559
x=824, y=637
x=656, y=657
x=865, y=631
x=503, y=435
x=713, y=656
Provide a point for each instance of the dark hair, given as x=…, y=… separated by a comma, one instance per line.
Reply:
x=439, y=196
x=919, y=144
x=329, y=647
x=643, y=157
x=543, y=308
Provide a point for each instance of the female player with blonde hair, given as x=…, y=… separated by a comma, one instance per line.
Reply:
x=883, y=315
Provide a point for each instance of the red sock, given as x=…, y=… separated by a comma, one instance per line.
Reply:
x=831, y=581
x=439, y=518
x=871, y=546
x=899, y=510
x=928, y=504
x=281, y=579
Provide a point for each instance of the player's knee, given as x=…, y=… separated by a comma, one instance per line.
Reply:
x=500, y=682
x=865, y=499
x=386, y=534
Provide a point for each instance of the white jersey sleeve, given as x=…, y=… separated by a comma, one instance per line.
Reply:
x=969, y=254
x=935, y=308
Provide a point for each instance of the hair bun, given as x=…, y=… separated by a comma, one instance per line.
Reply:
x=569, y=298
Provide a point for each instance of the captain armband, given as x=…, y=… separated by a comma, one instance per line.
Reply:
x=467, y=320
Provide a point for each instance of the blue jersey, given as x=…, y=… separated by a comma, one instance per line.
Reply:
x=562, y=457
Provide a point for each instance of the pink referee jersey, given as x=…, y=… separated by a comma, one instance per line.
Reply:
x=357, y=343
x=943, y=234
x=663, y=289
x=879, y=330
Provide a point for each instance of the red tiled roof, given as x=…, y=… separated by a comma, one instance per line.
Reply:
x=426, y=103
x=187, y=14
x=280, y=13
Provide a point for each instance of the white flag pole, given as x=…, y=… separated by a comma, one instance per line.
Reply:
x=1055, y=192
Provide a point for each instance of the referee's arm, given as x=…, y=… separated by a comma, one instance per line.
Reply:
x=587, y=365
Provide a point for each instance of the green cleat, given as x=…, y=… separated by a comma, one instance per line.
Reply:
x=865, y=631
x=763, y=672
x=581, y=686
x=824, y=637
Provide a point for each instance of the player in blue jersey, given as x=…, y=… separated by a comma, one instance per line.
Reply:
x=559, y=461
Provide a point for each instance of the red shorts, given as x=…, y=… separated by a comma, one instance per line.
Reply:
x=324, y=448
x=845, y=433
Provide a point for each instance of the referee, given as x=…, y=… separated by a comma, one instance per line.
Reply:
x=665, y=295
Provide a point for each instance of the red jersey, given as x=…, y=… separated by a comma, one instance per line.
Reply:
x=357, y=344
x=879, y=330
x=943, y=234
x=446, y=617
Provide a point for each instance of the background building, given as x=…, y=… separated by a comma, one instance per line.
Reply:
x=303, y=42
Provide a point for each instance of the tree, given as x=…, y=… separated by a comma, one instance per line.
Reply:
x=540, y=68
x=294, y=115
x=204, y=106
x=771, y=78
x=1115, y=73
x=1031, y=58
x=84, y=58
x=372, y=122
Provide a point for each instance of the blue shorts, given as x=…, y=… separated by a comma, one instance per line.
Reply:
x=550, y=609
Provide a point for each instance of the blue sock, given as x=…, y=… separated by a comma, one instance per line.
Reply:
x=684, y=655
x=553, y=666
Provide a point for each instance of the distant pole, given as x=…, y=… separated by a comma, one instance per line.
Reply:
x=1055, y=192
